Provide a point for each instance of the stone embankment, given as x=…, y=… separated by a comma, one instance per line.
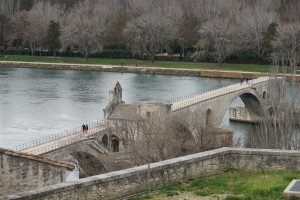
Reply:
x=131, y=181
x=140, y=70
x=133, y=69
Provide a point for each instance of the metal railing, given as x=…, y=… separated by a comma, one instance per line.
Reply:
x=181, y=98
x=54, y=137
x=65, y=141
x=217, y=92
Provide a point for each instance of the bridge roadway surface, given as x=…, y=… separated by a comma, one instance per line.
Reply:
x=64, y=140
x=217, y=92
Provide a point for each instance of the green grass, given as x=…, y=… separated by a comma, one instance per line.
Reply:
x=235, y=185
x=188, y=65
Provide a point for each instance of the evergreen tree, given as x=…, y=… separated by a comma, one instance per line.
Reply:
x=268, y=37
x=52, y=39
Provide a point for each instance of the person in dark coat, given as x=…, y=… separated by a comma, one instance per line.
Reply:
x=86, y=128
x=83, y=128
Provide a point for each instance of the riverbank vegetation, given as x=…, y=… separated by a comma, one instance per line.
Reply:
x=232, y=185
x=260, y=32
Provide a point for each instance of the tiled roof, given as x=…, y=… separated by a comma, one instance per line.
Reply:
x=125, y=112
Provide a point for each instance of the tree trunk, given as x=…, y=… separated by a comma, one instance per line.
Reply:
x=220, y=63
x=152, y=58
x=87, y=57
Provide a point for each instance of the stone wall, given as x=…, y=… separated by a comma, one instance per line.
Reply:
x=19, y=172
x=131, y=181
x=256, y=159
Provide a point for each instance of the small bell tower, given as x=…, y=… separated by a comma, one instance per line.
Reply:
x=115, y=98
x=115, y=93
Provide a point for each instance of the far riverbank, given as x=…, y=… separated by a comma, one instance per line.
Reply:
x=134, y=69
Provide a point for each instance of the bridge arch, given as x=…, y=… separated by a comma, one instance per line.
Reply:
x=252, y=102
x=89, y=164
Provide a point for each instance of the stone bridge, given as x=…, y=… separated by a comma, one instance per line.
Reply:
x=213, y=105
x=206, y=109
x=103, y=145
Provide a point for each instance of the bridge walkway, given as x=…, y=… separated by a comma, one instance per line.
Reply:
x=217, y=92
x=54, y=142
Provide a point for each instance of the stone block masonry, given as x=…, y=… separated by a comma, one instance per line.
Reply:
x=134, y=180
x=21, y=171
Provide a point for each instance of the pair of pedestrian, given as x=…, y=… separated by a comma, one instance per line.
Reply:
x=242, y=80
x=85, y=128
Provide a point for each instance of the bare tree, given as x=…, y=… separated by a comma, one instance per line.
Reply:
x=7, y=7
x=195, y=13
x=31, y=26
x=149, y=144
x=169, y=136
x=280, y=129
x=287, y=46
x=114, y=37
x=217, y=40
x=288, y=11
x=7, y=10
x=85, y=26
x=267, y=5
x=152, y=25
x=251, y=25
x=205, y=10
x=200, y=11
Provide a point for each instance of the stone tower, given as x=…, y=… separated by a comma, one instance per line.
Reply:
x=115, y=98
x=115, y=93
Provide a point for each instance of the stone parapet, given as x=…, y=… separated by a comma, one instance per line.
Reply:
x=264, y=159
x=21, y=171
x=127, y=182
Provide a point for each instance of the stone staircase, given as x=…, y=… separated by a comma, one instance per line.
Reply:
x=99, y=147
x=103, y=160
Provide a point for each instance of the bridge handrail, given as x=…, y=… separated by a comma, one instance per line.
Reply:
x=58, y=144
x=193, y=94
x=54, y=136
x=184, y=97
x=217, y=92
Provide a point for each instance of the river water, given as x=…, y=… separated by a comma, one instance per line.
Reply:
x=35, y=103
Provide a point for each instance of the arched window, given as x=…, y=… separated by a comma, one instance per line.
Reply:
x=271, y=111
x=264, y=94
x=115, y=143
x=208, y=116
x=105, y=140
